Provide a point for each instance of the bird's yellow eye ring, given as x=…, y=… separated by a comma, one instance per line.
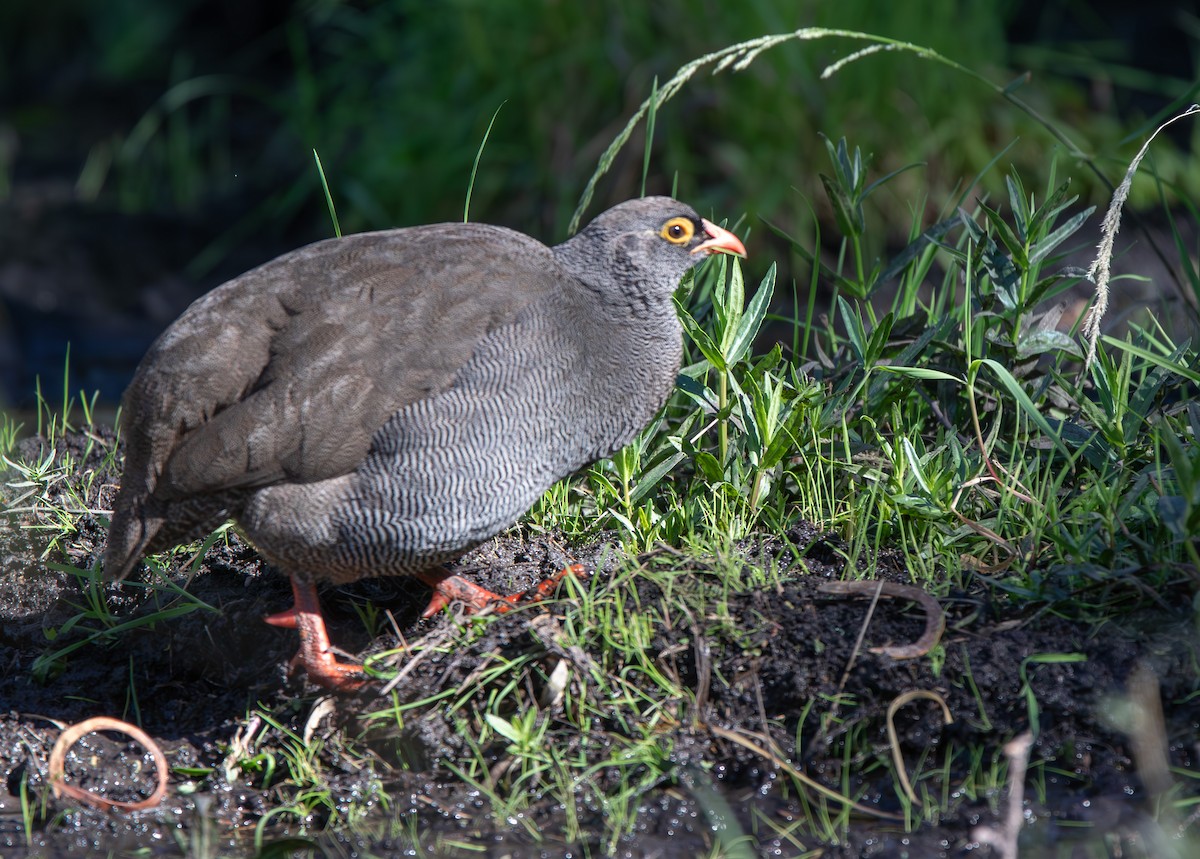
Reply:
x=678, y=231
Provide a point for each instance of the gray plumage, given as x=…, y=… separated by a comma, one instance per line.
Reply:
x=380, y=403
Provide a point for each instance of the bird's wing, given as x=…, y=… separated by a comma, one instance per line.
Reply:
x=285, y=373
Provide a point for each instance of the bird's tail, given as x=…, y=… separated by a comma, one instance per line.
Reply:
x=128, y=537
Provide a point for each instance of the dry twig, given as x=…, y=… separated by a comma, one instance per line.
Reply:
x=1004, y=838
x=70, y=736
x=897, y=758
x=935, y=618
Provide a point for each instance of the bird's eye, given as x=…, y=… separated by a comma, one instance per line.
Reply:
x=678, y=231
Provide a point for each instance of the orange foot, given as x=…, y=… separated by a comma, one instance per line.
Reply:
x=315, y=648
x=448, y=588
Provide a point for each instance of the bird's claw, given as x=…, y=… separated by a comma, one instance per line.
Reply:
x=448, y=588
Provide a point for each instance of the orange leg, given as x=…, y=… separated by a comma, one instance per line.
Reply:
x=315, y=648
x=449, y=588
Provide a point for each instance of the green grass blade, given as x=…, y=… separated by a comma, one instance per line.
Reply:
x=337, y=228
x=475, y=166
x=1027, y=405
x=700, y=337
x=1159, y=360
x=1039, y=251
x=752, y=319
x=650, y=117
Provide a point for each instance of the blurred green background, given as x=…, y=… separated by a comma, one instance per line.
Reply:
x=151, y=148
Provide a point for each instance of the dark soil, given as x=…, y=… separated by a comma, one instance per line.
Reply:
x=779, y=664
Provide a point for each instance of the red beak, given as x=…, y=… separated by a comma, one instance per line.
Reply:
x=719, y=239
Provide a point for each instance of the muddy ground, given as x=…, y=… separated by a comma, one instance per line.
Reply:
x=207, y=679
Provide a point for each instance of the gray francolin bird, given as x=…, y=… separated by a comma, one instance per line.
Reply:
x=381, y=403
